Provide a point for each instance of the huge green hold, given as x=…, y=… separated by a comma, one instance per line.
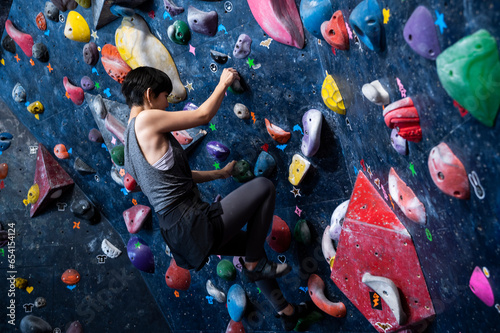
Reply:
x=179, y=32
x=117, y=155
x=226, y=270
x=469, y=71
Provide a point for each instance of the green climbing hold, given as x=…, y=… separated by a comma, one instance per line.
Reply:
x=301, y=233
x=84, y=3
x=226, y=270
x=242, y=171
x=304, y=323
x=117, y=155
x=469, y=71
x=179, y=32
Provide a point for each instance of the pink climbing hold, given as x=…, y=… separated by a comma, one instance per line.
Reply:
x=316, y=288
x=405, y=198
x=24, y=41
x=481, y=287
x=75, y=93
x=182, y=137
x=280, y=237
x=235, y=327
x=116, y=127
x=135, y=217
x=177, y=277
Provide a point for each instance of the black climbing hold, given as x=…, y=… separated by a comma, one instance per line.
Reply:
x=219, y=57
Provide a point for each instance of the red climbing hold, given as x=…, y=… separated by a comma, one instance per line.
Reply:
x=277, y=133
x=177, y=277
x=235, y=327
x=316, y=288
x=129, y=182
x=403, y=115
x=75, y=93
x=70, y=277
x=335, y=32
x=4, y=170
x=135, y=217
x=24, y=41
x=280, y=237
x=113, y=63
x=41, y=23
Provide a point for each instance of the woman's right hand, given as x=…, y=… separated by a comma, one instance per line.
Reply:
x=228, y=76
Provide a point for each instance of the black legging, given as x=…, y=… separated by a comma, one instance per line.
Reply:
x=253, y=204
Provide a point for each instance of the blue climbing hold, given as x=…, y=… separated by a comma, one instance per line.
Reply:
x=367, y=22
x=121, y=11
x=5, y=140
x=265, y=165
x=236, y=302
x=313, y=13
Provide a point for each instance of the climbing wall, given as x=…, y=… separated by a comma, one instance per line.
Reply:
x=283, y=82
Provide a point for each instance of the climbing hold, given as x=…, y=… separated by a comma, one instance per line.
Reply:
x=313, y=13
x=226, y=270
x=172, y=8
x=33, y=194
x=135, y=217
x=32, y=324
x=280, y=237
x=331, y=95
x=177, y=277
x=95, y=136
x=236, y=302
x=367, y=22
x=447, y=172
x=18, y=93
x=51, y=179
x=420, y=33
x=5, y=141
x=203, y=22
x=280, y=20
x=179, y=33
x=242, y=48
x=140, y=255
x=235, y=327
x=218, y=294
x=40, y=52
x=403, y=115
x=40, y=302
x=316, y=287
x=375, y=93
x=8, y=44
x=51, y=11
x=64, y=5
x=75, y=327
x=60, y=151
x=129, y=182
x=469, y=71
x=327, y=247
x=122, y=11
x=406, y=200
x=398, y=142
x=337, y=220
x=41, y=23
x=183, y=137
x=218, y=150
x=109, y=249
x=4, y=170
x=334, y=31
x=311, y=121
x=219, y=57
x=117, y=155
x=82, y=208
x=481, y=287
x=97, y=105
x=21, y=283
x=86, y=83
x=75, y=93
x=91, y=54
x=386, y=289
x=304, y=323
x=24, y=41
x=190, y=106
x=237, y=87
x=113, y=63
x=36, y=107
x=298, y=169
x=242, y=171
x=84, y=3
x=241, y=111
x=277, y=133
x=265, y=165
x=139, y=47
x=302, y=233
x=77, y=28
x=70, y=277
x=115, y=126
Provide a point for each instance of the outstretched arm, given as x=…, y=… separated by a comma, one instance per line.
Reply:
x=206, y=176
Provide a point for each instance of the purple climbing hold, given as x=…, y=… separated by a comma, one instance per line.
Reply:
x=398, y=142
x=64, y=5
x=172, y=8
x=420, y=33
x=140, y=255
x=190, y=106
x=86, y=83
x=219, y=151
x=481, y=287
x=236, y=302
x=242, y=47
x=75, y=327
x=95, y=136
x=312, y=121
x=203, y=22
x=90, y=53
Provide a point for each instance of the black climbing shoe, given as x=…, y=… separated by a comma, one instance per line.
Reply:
x=299, y=311
x=264, y=270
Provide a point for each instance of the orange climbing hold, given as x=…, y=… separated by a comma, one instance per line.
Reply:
x=61, y=152
x=316, y=288
x=70, y=277
x=113, y=63
x=276, y=132
x=41, y=23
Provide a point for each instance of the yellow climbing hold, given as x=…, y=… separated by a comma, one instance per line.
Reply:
x=77, y=28
x=2, y=62
x=36, y=107
x=331, y=95
x=387, y=14
x=33, y=194
x=84, y=3
x=298, y=169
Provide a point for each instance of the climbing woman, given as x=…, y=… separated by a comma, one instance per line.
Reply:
x=192, y=228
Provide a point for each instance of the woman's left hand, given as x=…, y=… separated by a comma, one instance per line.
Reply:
x=226, y=172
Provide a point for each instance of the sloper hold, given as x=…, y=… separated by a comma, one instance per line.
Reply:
x=203, y=22
x=469, y=71
x=313, y=13
x=375, y=93
x=40, y=52
x=218, y=294
x=71, y=276
x=118, y=155
x=327, y=247
x=218, y=150
x=331, y=95
x=75, y=93
x=86, y=83
x=25, y=41
x=113, y=63
x=420, y=33
x=75, y=327
x=316, y=288
x=179, y=32
x=448, y=172
x=95, y=135
x=481, y=287
x=235, y=327
x=374, y=240
x=298, y=169
x=241, y=111
x=280, y=20
x=406, y=200
x=77, y=28
x=280, y=237
x=51, y=178
x=226, y=270
x=277, y=133
x=140, y=255
x=265, y=165
x=398, y=142
x=386, y=289
x=334, y=31
x=236, y=302
x=368, y=23
x=177, y=277
x=139, y=47
x=311, y=121
x=101, y=10
x=19, y=93
x=32, y=323
x=403, y=115
x=135, y=217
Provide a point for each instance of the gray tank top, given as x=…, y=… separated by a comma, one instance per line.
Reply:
x=163, y=188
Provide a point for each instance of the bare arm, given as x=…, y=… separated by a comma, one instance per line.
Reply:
x=206, y=176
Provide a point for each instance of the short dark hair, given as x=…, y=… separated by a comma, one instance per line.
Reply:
x=140, y=79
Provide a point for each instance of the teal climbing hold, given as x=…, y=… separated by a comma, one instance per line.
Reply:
x=236, y=302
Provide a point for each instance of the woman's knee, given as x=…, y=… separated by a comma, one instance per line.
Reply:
x=265, y=185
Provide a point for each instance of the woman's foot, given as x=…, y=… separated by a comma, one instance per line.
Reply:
x=263, y=269
x=289, y=318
